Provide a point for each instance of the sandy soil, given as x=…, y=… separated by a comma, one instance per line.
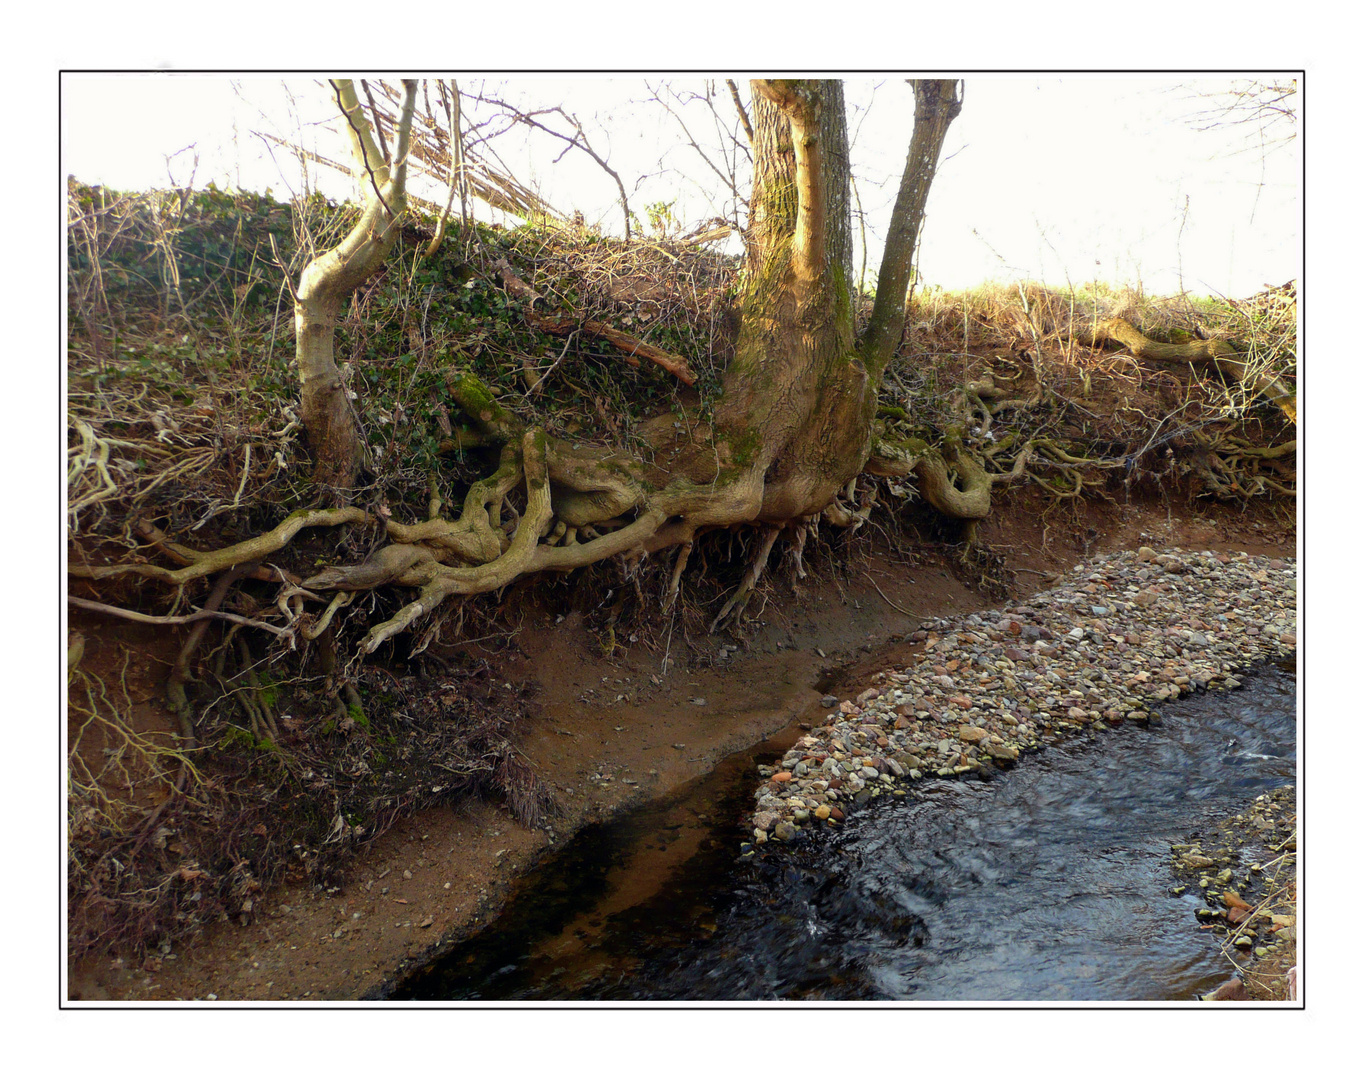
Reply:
x=650, y=720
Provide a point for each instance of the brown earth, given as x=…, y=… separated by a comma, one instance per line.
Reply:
x=650, y=720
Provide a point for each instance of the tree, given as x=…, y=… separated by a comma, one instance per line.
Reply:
x=794, y=425
x=792, y=430
x=329, y=280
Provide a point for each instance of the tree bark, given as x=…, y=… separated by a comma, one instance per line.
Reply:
x=331, y=278
x=800, y=395
x=796, y=404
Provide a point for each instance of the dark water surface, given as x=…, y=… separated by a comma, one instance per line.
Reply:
x=1050, y=883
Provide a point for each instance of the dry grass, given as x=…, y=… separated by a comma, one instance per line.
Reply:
x=1115, y=419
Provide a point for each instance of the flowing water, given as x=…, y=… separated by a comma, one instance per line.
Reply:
x=1050, y=882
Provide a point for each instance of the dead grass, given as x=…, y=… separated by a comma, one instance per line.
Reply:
x=183, y=430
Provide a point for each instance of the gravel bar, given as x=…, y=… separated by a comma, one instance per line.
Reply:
x=1113, y=640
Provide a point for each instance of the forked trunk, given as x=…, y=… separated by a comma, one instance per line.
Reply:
x=330, y=279
x=800, y=396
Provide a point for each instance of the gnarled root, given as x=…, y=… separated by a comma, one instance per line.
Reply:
x=971, y=500
x=739, y=600
x=442, y=581
x=1218, y=353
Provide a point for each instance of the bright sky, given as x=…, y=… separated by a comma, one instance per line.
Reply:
x=1071, y=178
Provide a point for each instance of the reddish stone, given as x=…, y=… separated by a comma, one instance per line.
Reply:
x=781, y=777
x=1231, y=990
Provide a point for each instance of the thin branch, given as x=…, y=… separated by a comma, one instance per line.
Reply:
x=739, y=107
x=361, y=152
x=374, y=112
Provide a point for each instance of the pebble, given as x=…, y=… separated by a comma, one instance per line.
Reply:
x=1107, y=643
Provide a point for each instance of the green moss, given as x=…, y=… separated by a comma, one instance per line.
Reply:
x=745, y=445
x=358, y=715
x=268, y=690
x=472, y=394
x=843, y=307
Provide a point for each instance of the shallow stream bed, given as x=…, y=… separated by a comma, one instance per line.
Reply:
x=1050, y=882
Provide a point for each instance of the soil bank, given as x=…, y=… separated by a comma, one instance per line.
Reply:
x=609, y=734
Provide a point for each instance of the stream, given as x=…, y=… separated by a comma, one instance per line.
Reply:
x=1050, y=882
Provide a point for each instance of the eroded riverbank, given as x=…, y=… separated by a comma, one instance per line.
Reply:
x=441, y=876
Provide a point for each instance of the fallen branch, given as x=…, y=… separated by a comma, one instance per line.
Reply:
x=632, y=347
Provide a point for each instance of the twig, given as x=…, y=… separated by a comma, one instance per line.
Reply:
x=888, y=600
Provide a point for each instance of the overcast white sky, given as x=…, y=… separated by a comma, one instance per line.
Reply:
x=1057, y=178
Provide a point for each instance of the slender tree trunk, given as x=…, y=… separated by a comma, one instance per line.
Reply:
x=331, y=278
x=936, y=105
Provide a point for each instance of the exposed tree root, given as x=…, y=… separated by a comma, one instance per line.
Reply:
x=739, y=600
x=1218, y=353
x=248, y=551
x=180, y=673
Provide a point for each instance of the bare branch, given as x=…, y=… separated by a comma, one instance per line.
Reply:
x=739, y=108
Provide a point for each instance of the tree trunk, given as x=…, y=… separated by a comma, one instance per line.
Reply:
x=330, y=279
x=797, y=402
x=936, y=105
x=800, y=395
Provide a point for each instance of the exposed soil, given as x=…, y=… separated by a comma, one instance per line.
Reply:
x=649, y=720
